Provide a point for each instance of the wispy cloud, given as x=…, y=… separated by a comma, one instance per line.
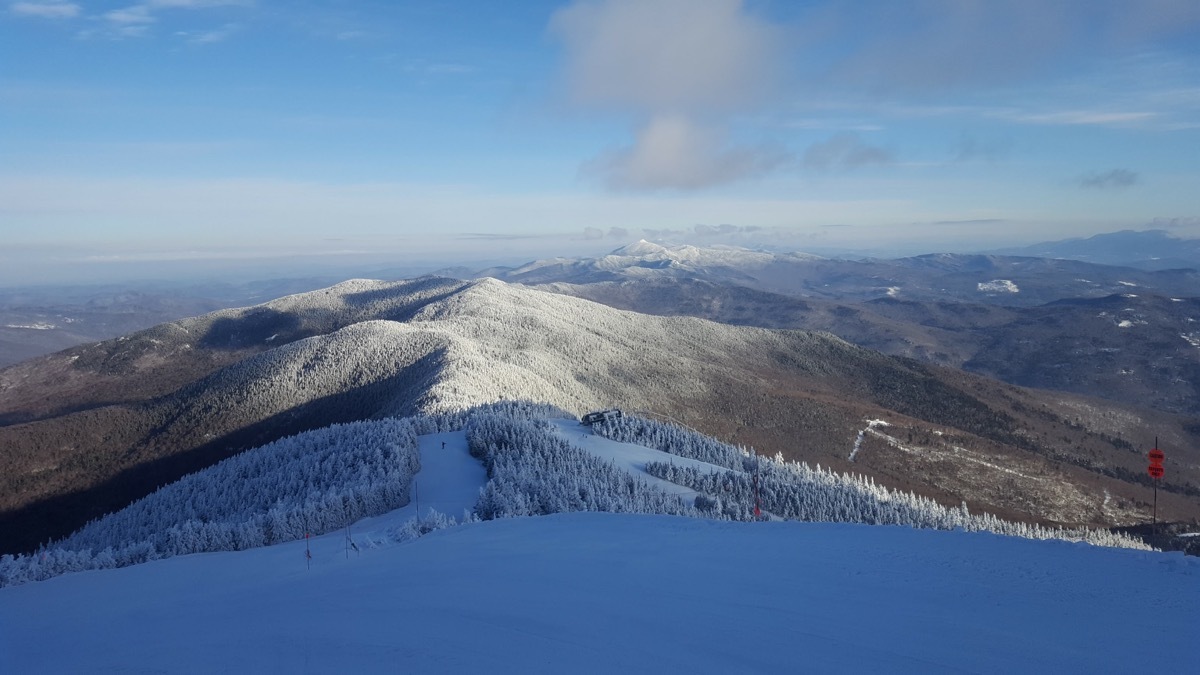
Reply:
x=135, y=16
x=845, y=151
x=683, y=69
x=211, y=36
x=135, y=20
x=723, y=230
x=970, y=149
x=493, y=236
x=1047, y=115
x=195, y=4
x=830, y=124
x=129, y=22
x=1081, y=63
x=1176, y=223
x=904, y=46
x=427, y=68
x=1116, y=179
x=596, y=233
x=972, y=221
x=45, y=10
x=1082, y=117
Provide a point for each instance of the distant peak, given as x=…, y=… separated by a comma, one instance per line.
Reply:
x=640, y=248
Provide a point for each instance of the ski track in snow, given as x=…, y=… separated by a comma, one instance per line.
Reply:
x=631, y=458
x=448, y=482
x=960, y=453
x=871, y=424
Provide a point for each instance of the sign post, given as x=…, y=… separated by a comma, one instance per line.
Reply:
x=1156, y=472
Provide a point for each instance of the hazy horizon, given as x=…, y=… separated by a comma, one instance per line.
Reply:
x=220, y=136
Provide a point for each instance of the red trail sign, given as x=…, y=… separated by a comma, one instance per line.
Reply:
x=1156, y=472
x=1156, y=459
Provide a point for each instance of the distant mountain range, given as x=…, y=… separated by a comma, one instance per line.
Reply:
x=890, y=368
x=987, y=279
x=1128, y=335
x=39, y=320
x=89, y=429
x=1147, y=249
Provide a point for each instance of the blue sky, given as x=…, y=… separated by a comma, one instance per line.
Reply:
x=201, y=130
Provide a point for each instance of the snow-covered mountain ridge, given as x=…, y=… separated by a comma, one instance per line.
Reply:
x=493, y=341
x=367, y=349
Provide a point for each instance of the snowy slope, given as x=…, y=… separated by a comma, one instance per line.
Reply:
x=448, y=483
x=591, y=592
x=588, y=592
x=630, y=457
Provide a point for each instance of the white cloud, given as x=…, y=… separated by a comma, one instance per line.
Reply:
x=137, y=14
x=671, y=152
x=684, y=69
x=665, y=55
x=45, y=10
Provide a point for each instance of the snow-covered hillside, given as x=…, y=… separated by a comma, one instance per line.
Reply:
x=409, y=590
x=441, y=346
x=536, y=462
x=590, y=592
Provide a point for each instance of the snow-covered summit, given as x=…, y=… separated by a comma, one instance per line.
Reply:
x=697, y=257
x=650, y=260
x=640, y=248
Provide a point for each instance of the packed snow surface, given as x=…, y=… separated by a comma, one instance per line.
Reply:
x=589, y=592
x=448, y=482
